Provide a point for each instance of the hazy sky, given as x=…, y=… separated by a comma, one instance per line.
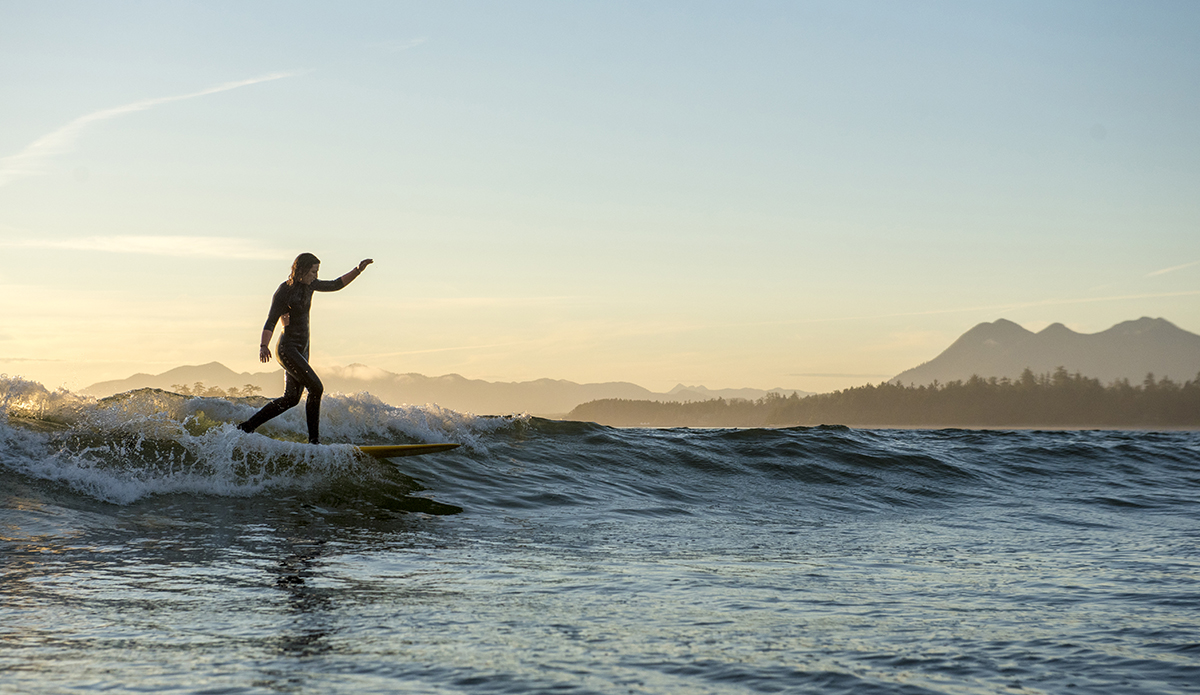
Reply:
x=805, y=195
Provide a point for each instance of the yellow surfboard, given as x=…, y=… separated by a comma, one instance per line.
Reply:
x=387, y=451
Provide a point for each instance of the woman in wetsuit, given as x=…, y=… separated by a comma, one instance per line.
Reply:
x=291, y=302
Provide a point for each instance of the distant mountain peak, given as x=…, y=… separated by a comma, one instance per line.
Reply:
x=1000, y=328
x=1144, y=325
x=1055, y=329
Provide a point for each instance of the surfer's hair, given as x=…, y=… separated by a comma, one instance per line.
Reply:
x=303, y=263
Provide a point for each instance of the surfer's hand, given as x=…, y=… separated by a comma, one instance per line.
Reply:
x=363, y=266
x=264, y=353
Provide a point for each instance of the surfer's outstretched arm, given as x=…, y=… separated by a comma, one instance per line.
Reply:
x=335, y=285
x=349, y=277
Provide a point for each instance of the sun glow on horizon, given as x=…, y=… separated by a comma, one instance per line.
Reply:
x=800, y=195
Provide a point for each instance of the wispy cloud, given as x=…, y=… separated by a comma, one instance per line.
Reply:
x=402, y=45
x=426, y=303
x=33, y=159
x=1172, y=269
x=663, y=329
x=458, y=348
x=828, y=375
x=182, y=246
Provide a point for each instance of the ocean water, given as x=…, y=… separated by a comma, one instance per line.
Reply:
x=146, y=546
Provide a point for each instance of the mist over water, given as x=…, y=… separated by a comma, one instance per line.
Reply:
x=146, y=544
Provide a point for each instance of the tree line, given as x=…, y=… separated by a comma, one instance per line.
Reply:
x=1057, y=399
x=203, y=391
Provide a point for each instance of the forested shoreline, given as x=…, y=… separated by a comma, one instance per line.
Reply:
x=1053, y=400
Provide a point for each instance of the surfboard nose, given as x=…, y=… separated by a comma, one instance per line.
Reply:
x=387, y=451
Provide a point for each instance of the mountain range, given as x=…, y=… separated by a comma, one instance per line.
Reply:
x=548, y=397
x=1128, y=350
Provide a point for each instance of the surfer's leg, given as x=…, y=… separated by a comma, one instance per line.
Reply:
x=296, y=364
x=313, y=409
x=290, y=398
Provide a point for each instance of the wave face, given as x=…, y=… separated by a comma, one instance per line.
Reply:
x=151, y=442
x=548, y=556
x=823, y=475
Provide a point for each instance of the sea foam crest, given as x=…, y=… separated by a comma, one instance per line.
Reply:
x=123, y=448
x=359, y=418
x=29, y=399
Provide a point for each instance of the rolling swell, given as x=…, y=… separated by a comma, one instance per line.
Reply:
x=834, y=470
x=151, y=442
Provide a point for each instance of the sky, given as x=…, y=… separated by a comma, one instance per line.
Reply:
x=800, y=195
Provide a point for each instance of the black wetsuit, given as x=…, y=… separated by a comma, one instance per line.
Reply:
x=292, y=353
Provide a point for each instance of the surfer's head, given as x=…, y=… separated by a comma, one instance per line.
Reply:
x=301, y=266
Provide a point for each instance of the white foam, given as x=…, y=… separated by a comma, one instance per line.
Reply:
x=151, y=442
x=29, y=399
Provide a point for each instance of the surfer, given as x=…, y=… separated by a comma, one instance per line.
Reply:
x=291, y=303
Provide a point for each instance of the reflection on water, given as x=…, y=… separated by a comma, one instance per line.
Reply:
x=690, y=572
x=312, y=607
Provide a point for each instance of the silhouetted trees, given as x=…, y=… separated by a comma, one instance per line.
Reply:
x=1058, y=399
x=199, y=389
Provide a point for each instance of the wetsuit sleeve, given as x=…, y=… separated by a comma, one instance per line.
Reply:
x=279, y=307
x=328, y=285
